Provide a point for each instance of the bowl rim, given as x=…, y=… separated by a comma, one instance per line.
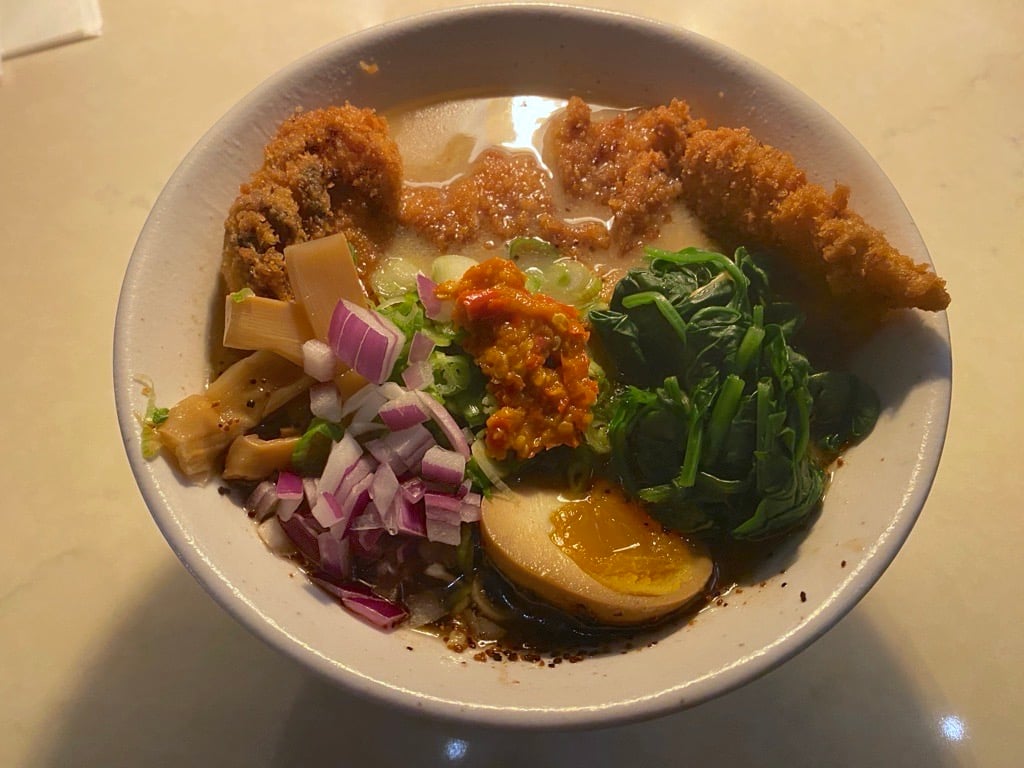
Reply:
x=745, y=669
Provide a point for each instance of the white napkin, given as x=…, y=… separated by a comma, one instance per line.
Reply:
x=32, y=25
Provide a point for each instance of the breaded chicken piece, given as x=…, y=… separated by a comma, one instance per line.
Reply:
x=748, y=193
x=502, y=195
x=631, y=163
x=325, y=171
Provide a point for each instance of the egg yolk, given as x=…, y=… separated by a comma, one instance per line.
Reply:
x=613, y=540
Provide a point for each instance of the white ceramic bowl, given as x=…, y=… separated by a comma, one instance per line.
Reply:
x=169, y=293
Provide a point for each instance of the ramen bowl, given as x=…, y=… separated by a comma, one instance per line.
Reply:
x=167, y=314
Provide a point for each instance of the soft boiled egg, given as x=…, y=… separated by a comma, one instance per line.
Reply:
x=600, y=557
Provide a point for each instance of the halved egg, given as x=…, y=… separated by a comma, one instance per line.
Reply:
x=601, y=557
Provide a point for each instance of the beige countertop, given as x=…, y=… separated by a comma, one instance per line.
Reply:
x=113, y=655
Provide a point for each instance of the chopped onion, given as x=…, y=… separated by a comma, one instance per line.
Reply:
x=420, y=347
x=410, y=517
x=327, y=511
x=318, y=360
x=448, y=425
x=469, y=512
x=443, y=465
x=334, y=555
x=343, y=457
x=303, y=531
x=403, y=412
x=446, y=509
x=368, y=393
x=433, y=307
x=390, y=390
x=289, y=485
x=418, y=375
x=413, y=489
x=402, y=450
x=325, y=402
x=274, y=537
x=378, y=611
x=311, y=490
x=445, y=533
x=368, y=520
x=383, y=490
x=355, y=503
x=286, y=508
x=365, y=341
x=260, y=504
x=363, y=468
x=289, y=492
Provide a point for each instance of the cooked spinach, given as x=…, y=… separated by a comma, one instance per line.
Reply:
x=721, y=424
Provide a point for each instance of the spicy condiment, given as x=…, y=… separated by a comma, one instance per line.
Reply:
x=533, y=350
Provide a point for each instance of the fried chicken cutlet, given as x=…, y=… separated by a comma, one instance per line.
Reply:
x=330, y=170
x=748, y=193
x=631, y=163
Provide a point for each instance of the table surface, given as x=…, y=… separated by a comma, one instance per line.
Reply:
x=113, y=655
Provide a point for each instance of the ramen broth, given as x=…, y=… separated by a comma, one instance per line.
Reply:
x=439, y=143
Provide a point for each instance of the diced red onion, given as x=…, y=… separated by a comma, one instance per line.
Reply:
x=289, y=485
x=303, y=531
x=286, y=508
x=346, y=333
x=290, y=493
x=403, y=412
x=325, y=402
x=357, y=501
x=334, y=555
x=409, y=518
x=443, y=465
x=446, y=509
x=382, y=451
x=379, y=341
x=368, y=520
x=311, y=490
x=402, y=450
x=448, y=425
x=466, y=487
x=318, y=360
x=411, y=444
x=413, y=489
x=273, y=535
x=420, y=347
x=443, y=532
x=469, y=512
x=343, y=457
x=364, y=467
x=368, y=393
x=433, y=307
x=327, y=511
x=378, y=611
x=373, y=355
x=260, y=504
x=418, y=375
x=391, y=391
x=383, y=490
